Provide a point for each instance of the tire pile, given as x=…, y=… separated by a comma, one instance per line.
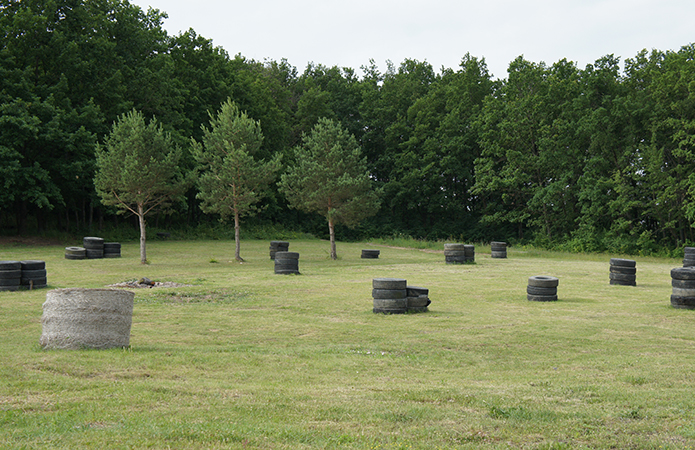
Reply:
x=683, y=287
x=688, y=256
x=287, y=263
x=394, y=296
x=542, y=289
x=459, y=253
x=498, y=249
x=278, y=246
x=370, y=254
x=623, y=272
x=30, y=274
x=94, y=248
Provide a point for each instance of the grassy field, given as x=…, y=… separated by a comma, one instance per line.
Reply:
x=246, y=359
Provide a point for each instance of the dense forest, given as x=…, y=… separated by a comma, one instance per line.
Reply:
x=585, y=159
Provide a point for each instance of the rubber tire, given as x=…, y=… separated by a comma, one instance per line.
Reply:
x=112, y=246
x=286, y=255
x=624, y=270
x=683, y=284
x=33, y=264
x=10, y=274
x=37, y=281
x=10, y=281
x=623, y=283
x=67, y=256
x=9, y=288
x=683, y=302
x=622, y=277
x=498, y=254
x=389, y=283
x=623, y=262
x=683, y=273
x=75, y=251
x=454, y=253
x=535, y=290
x=112, y=255
x=418, y=302
x=39, y=273
x=416, y=291
x=287, y=272
x=543, y=281
x=10, y=265
x=94, y=254
x=541, y=298
x=679, y=292
x=389, y=293
x=283, y=267
x=454, y=247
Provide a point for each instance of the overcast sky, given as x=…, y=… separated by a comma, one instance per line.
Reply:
x=441, y=32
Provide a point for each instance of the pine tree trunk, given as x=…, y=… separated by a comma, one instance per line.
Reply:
x=237, y=238
x=331, y=229
x=141, y=219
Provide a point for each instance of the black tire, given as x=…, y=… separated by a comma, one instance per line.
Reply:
x=389, y=283
x=287, y=272
x=75, y=251
x=370, y=254
x=622, y=277
x=688, y=262
x=535, y=290
x=39, y=273
x=113, y=246
x=683, y=273
x=683, y=302
x=454, y=247
x=33, y=264
x=543, y=281
x=286, y=255
x=469, y=250
x=683, y=284
x=283, y=269
x=623, y=283
x=623, y=262
x=10, y=274
x=36, y=282
x=418, y=302
x=9, y=288
x=10, y=281
x=94, y=254
x=416, y=291
x=389, y=293
x=541, y=298
x=93, y=243
x=67, y=256
x=623, y=269
x=689, y=251
x=498, y=254
x=454, y=253
x=10, y=265
x=112, y=255
x=680, y=292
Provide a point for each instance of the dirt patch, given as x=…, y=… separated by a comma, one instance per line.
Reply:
x=135, y=284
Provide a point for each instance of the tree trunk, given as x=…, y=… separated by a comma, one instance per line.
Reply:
x=141, y=219
x=331, y=230
x=237, y=238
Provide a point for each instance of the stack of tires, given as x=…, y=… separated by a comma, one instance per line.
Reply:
x=75, y=253
x=389, y=295
x=112, y=250
x=688, y=256
x=459, y=253
x=10, y=275
x=623, y=272
x=683, y=287
x=33, y=274
x=542, y=289
x=370, y=254
x=418, y=299
x=94, y=247
x=287, y=263
x=278, y=246
x=498, y=249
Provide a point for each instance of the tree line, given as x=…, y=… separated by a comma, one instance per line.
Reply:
x=586, y=159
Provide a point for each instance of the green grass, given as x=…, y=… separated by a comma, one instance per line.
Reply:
x=247, y=359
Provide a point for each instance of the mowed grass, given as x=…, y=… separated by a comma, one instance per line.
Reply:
x=246, y=359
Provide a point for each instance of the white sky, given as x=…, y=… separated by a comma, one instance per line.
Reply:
x=441, y=32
